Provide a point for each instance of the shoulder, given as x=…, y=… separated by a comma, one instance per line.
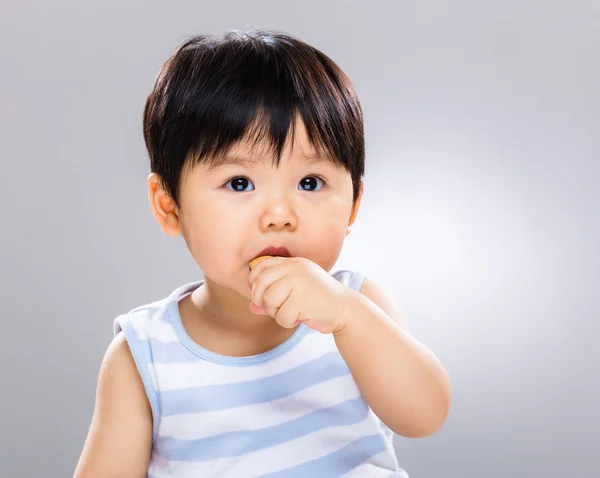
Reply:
x=120, y=434
x=368, y=288
x=384, y=300
x=119, y=381
x=118, y=359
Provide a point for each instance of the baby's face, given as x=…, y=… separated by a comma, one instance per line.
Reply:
x=231, y=213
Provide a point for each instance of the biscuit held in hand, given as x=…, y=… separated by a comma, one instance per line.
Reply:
x=254, y=262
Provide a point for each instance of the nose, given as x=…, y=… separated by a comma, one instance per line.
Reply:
x=279, y=214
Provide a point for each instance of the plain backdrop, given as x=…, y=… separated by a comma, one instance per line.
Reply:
x=480, y=212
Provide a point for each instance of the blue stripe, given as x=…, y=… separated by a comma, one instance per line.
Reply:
x=239, y=443
x=338, y=462
x=221, y=397
x=176, y=352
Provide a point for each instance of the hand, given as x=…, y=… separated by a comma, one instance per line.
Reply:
x=294, y=290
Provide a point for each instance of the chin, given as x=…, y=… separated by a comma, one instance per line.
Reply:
x=235, y=280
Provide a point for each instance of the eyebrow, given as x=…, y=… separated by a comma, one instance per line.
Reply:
x=235, y=159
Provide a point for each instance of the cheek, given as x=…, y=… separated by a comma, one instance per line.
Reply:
x=335, y=218
x=334, y=227
x=327, y=238
x=214, y=238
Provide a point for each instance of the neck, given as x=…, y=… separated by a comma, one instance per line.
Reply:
x=229, y=310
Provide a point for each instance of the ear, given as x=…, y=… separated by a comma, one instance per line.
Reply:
x=355, y=208
x=163, y=207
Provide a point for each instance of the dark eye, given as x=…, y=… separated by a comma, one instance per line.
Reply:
x=239, y=184
x=310, y=183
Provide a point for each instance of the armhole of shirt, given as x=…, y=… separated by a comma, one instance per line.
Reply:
x=351, y=279
x=142, y=355
x=356, y=280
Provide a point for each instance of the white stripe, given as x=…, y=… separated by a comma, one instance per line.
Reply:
x=269, y=460
x=153, y=328
x=382, y=465
x=262, y=415
x=177, y=376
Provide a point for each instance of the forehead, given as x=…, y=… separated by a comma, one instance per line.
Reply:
x=253, y=158
x=251, y=152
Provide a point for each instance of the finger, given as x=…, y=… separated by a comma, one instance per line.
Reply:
x=255, y=309
x=276, y=295
x=288, y=314
x=264, y=281
x=262, y=265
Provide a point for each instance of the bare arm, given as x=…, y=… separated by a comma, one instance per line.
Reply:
x=402, y=381
x=119, y=440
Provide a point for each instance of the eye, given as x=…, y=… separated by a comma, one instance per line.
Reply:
x=239, y=184
x=310, y=183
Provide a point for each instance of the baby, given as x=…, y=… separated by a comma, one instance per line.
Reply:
x=272, y=365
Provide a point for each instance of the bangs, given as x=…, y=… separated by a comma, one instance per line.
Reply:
x=216, y=92
x=265, y=140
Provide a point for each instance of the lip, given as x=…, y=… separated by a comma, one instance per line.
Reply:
x=274, y=251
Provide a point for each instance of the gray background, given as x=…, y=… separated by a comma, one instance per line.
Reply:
x=482, y=192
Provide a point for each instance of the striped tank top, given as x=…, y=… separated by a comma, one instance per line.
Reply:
x=292, y=412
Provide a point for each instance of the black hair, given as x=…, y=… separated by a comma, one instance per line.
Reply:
x=215, y=91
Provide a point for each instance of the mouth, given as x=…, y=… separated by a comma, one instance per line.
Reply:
x=274, y=251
